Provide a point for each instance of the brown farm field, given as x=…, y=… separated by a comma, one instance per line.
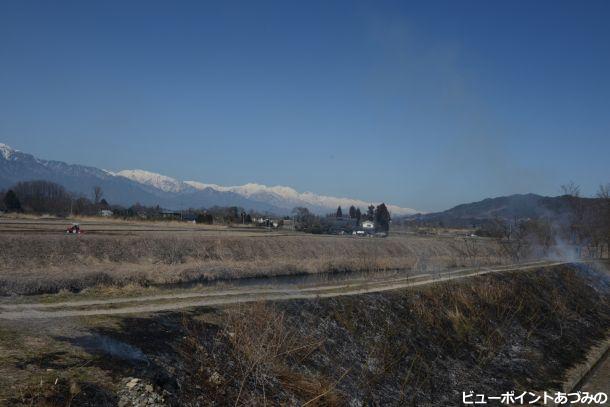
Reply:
x=36, y=256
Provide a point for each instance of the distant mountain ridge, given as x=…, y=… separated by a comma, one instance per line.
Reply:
x=127, y=187
x=508, y=208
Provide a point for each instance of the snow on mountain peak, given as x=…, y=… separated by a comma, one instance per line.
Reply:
x=287, y=197
x=162, y=182
x=277, y=197
x=201, y=186
x=248, y=190
x=6, y=151
x=252, y=189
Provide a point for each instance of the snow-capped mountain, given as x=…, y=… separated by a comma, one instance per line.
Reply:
x=287, y=197
x=162, y=182
x=6, y=151
x=129, y=186
x=280, y=196
x=16, y=166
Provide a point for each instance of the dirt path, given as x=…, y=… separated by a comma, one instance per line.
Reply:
x=599, y=378
x=318, y=287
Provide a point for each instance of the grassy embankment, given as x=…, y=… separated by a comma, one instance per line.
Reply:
x=35, y=263
x=418, y=346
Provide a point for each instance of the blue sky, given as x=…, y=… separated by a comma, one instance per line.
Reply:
x=422, y=105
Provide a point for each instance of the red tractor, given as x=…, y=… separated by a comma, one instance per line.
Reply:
x=74, y=229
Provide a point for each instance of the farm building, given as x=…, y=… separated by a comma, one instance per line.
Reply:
x=368, y=226
x=340, y=225
x=165, y=214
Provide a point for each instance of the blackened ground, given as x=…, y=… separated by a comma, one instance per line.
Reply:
x=423, y=347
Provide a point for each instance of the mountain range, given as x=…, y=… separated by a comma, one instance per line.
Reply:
x=507, y=208
x=127, y=187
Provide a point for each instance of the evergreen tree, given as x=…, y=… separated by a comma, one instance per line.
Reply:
x=205, y=218
x=352, y=212
x=358, y=215
x=12, y=202
x=370, y=214
x=382, y=217
x=339, y=212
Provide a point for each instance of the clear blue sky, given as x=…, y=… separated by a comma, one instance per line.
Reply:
x=423, y=105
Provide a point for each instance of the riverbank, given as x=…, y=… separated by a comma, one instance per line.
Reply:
x=423, y=345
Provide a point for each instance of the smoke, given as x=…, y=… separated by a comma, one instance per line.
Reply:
x=96, y=343
x=471, y=147
x=563, y=251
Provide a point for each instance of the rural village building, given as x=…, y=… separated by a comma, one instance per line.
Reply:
x=368, y=226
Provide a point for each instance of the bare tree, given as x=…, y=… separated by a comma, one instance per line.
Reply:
x=603, y=221
x=97, y=194
x=604, y=191
x=571, y=189
x=43, y=197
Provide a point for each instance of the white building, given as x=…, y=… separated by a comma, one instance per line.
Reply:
x=368, y=225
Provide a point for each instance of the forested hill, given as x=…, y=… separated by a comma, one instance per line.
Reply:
x=507, y=208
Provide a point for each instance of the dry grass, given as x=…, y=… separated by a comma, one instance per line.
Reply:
x=252, y=357
x=39, y=264
x=409, y=347
x=417, y=346
x=265, y=347
x=520, y=331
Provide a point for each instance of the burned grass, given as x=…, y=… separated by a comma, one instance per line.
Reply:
x=424, y=346
x=420, y=347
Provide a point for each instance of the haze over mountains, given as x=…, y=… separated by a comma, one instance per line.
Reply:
x=509, y=208
x=130, y=186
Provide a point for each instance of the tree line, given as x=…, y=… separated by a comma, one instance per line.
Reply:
x=50, y=198
x=46, y=197
x=307, y=221
x=575, y=223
